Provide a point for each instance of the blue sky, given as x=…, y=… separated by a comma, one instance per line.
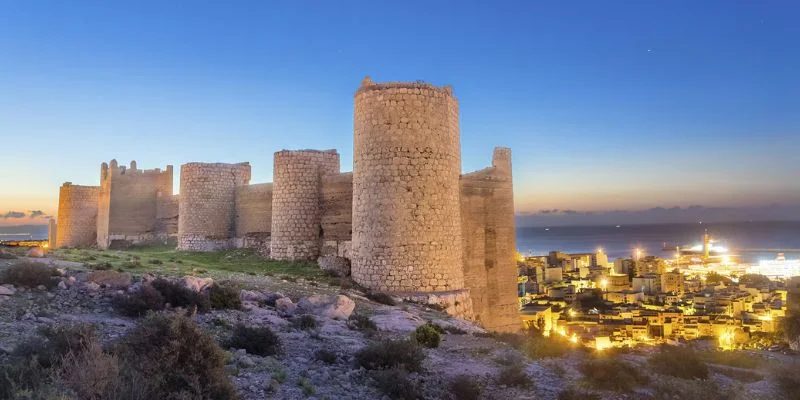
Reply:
x=606, y=105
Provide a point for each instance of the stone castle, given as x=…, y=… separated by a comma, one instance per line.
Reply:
x=409, y=222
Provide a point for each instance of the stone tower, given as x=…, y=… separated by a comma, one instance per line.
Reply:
x=207, y=205
x=296, y=196
x=406, y=169
x=77, y=215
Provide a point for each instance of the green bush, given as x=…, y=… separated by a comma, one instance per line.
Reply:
x=137, y=304
x=29, y=275
x=305, y=322
x=261, y=341
x=176, y=358
x=680, y=362
x=326, y=356
x=396, y=384
x=465, y=387
x=514, y=375
x=388, y=354
x=381, y=298
x=427, y=335
x=224, y=298
x=612, y=374
x=361, y=322
x=179, y=296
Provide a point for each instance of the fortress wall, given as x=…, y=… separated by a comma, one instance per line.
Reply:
x=254, y=216
x=77, y=215
x=207, y=206
x=296, y=202
x=337, y=214
x=167, y=215
x=406, y=209
x=488, y=227
x=128, y=204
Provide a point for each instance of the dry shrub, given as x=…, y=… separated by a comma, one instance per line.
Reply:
x=680, y=362
x=90, y=373
x=733, y=359
x=514, y=375
x=577, y=394
x=261, y=341
x=612, y=374
x=177, y=359
x=381, y=298
x=224, y=298
x=537, y=346
x=29, y=275
x=396, y=384
x=326, y=356
x=305, y=322
x=179, y=296
x=465, y=387
x=361, y=322
x=669, y=388
x=137, y=304
x=53, y=343
x=388, y=354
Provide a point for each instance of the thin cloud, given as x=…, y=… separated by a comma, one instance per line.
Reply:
x=14, y=214
x=37, y=213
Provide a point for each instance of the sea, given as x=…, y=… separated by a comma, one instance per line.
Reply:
x=620, y=241
x=616, y=241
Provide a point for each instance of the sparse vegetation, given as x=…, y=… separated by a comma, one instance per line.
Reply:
x=326, y=356
x=577, y=394
x=386, y=354
x=680, y=362
x=361, y=322
x=224, y=298
x=396, y=384
x=427, y=335
x=669, y=388
x=612, y=374
x=381, y=298
x=101, y=266
x=537, y=346
x=465, y=387
x=305, y=322
x=29, y=275
x=138, y=303
x=261, y=340
x=732, y=359
x=787, y=380
x=514, y=375
x=179, y=296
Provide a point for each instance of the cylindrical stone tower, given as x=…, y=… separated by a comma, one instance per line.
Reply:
x=207, y=208
x=406, y=209
x=77, y=215
x=297, y=178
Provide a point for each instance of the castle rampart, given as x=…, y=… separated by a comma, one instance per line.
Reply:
x=77, y=215
x=128, y=204
x=488, y=230
x=406, y=168
x=254, y=216
x=337, y=215
x=207, y=206
x=297, y=180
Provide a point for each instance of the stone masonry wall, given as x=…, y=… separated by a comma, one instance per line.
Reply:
x=207, y=206
x=406, y=209
x=254, y=216
x=337, y=213
x=128, y=205
x=297, y=181
x=77, y=215
x=488, y=229
x=167, y=215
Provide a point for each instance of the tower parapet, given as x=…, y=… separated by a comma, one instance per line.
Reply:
x=207, y=204
x=406, y=168
x=77, y=215
x=296, y=197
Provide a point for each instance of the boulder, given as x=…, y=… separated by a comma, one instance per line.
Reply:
x=397, y=321
x=253, y=295
x=111, y=279
x=7, y=290
x=36, y=252
x=285, y=306
x=91, y=286
x=328, y=306
x=336, y=266
x=62, y=285
x=197, y=284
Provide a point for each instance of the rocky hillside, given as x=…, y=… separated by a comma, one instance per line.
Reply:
x=325, y=339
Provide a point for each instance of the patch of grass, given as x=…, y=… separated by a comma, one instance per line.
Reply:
x=612, y=374
x=224, y=298
x=381, y=298
x=386, y=354
x=30, y=275
x=326, y=356
x=261, y=341
x=361, y=322
x=396, y=384
x=156, y=261
x=427, y=335
x=680, y=362
x=306, y=386
x=465, y=387
x=101, y=266
x=305, y=322
x=514, y=375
